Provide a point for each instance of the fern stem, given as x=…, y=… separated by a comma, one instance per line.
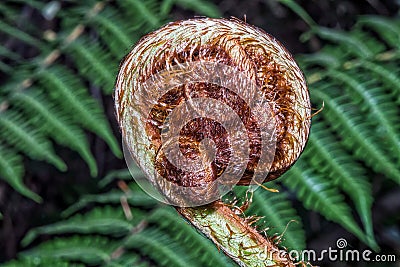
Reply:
x=233, y=235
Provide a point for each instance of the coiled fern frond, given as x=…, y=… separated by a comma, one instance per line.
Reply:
x=44, y=96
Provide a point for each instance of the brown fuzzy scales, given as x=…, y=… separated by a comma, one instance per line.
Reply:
x=233, y=43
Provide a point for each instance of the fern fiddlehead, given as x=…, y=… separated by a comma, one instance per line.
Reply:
x=205, y=104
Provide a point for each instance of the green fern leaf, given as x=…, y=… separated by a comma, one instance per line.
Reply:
x=12, y=171
x=135, y=197
x=91, y=250
x=204, y=8
x=5, y=52
x=8, y=13
x=319, y=194
x=58, y=125
x=64, y=88
x=16, y=131
x=326, y=155
x=94, y=63
x=388, y=76
x=21, y=35
x=356, y=133
x=38, y=262
x=127, y=259
x=389, y=29
x=295, y=7
x=123, y=174
x=328, y=58
x=105, y=221
x=160, y=248
x=146, y=9
x=376, y=105
x=353, y=44
x=117, y=34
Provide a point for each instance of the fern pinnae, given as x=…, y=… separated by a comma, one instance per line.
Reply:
x=126, y=260
x=36, y=261
x=295, y=7
x=319, y=194
x=5, y=52
x=356, y=133
x=5, y=68
x=377, y=104
x=58, y=125
x=281, y=217
x=354, y=45
x=21, y=35
x=159, y=247
x=205, y=8
x=388, y=76
x=91, y=250
x=325, y=153
x=145, y=9
x=16, y=131
x=93, y=63
x=101, y=220
x=110, y=30
x=135, y=197
x=8, y=13
x=70, y=94
x=388, y=29
x=327, y=59
x=122, y=174
x=12, y=171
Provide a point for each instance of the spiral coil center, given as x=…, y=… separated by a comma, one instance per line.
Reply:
x=218, y=103
x=201, y=112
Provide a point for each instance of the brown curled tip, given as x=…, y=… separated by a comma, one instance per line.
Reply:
x=231, y=42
